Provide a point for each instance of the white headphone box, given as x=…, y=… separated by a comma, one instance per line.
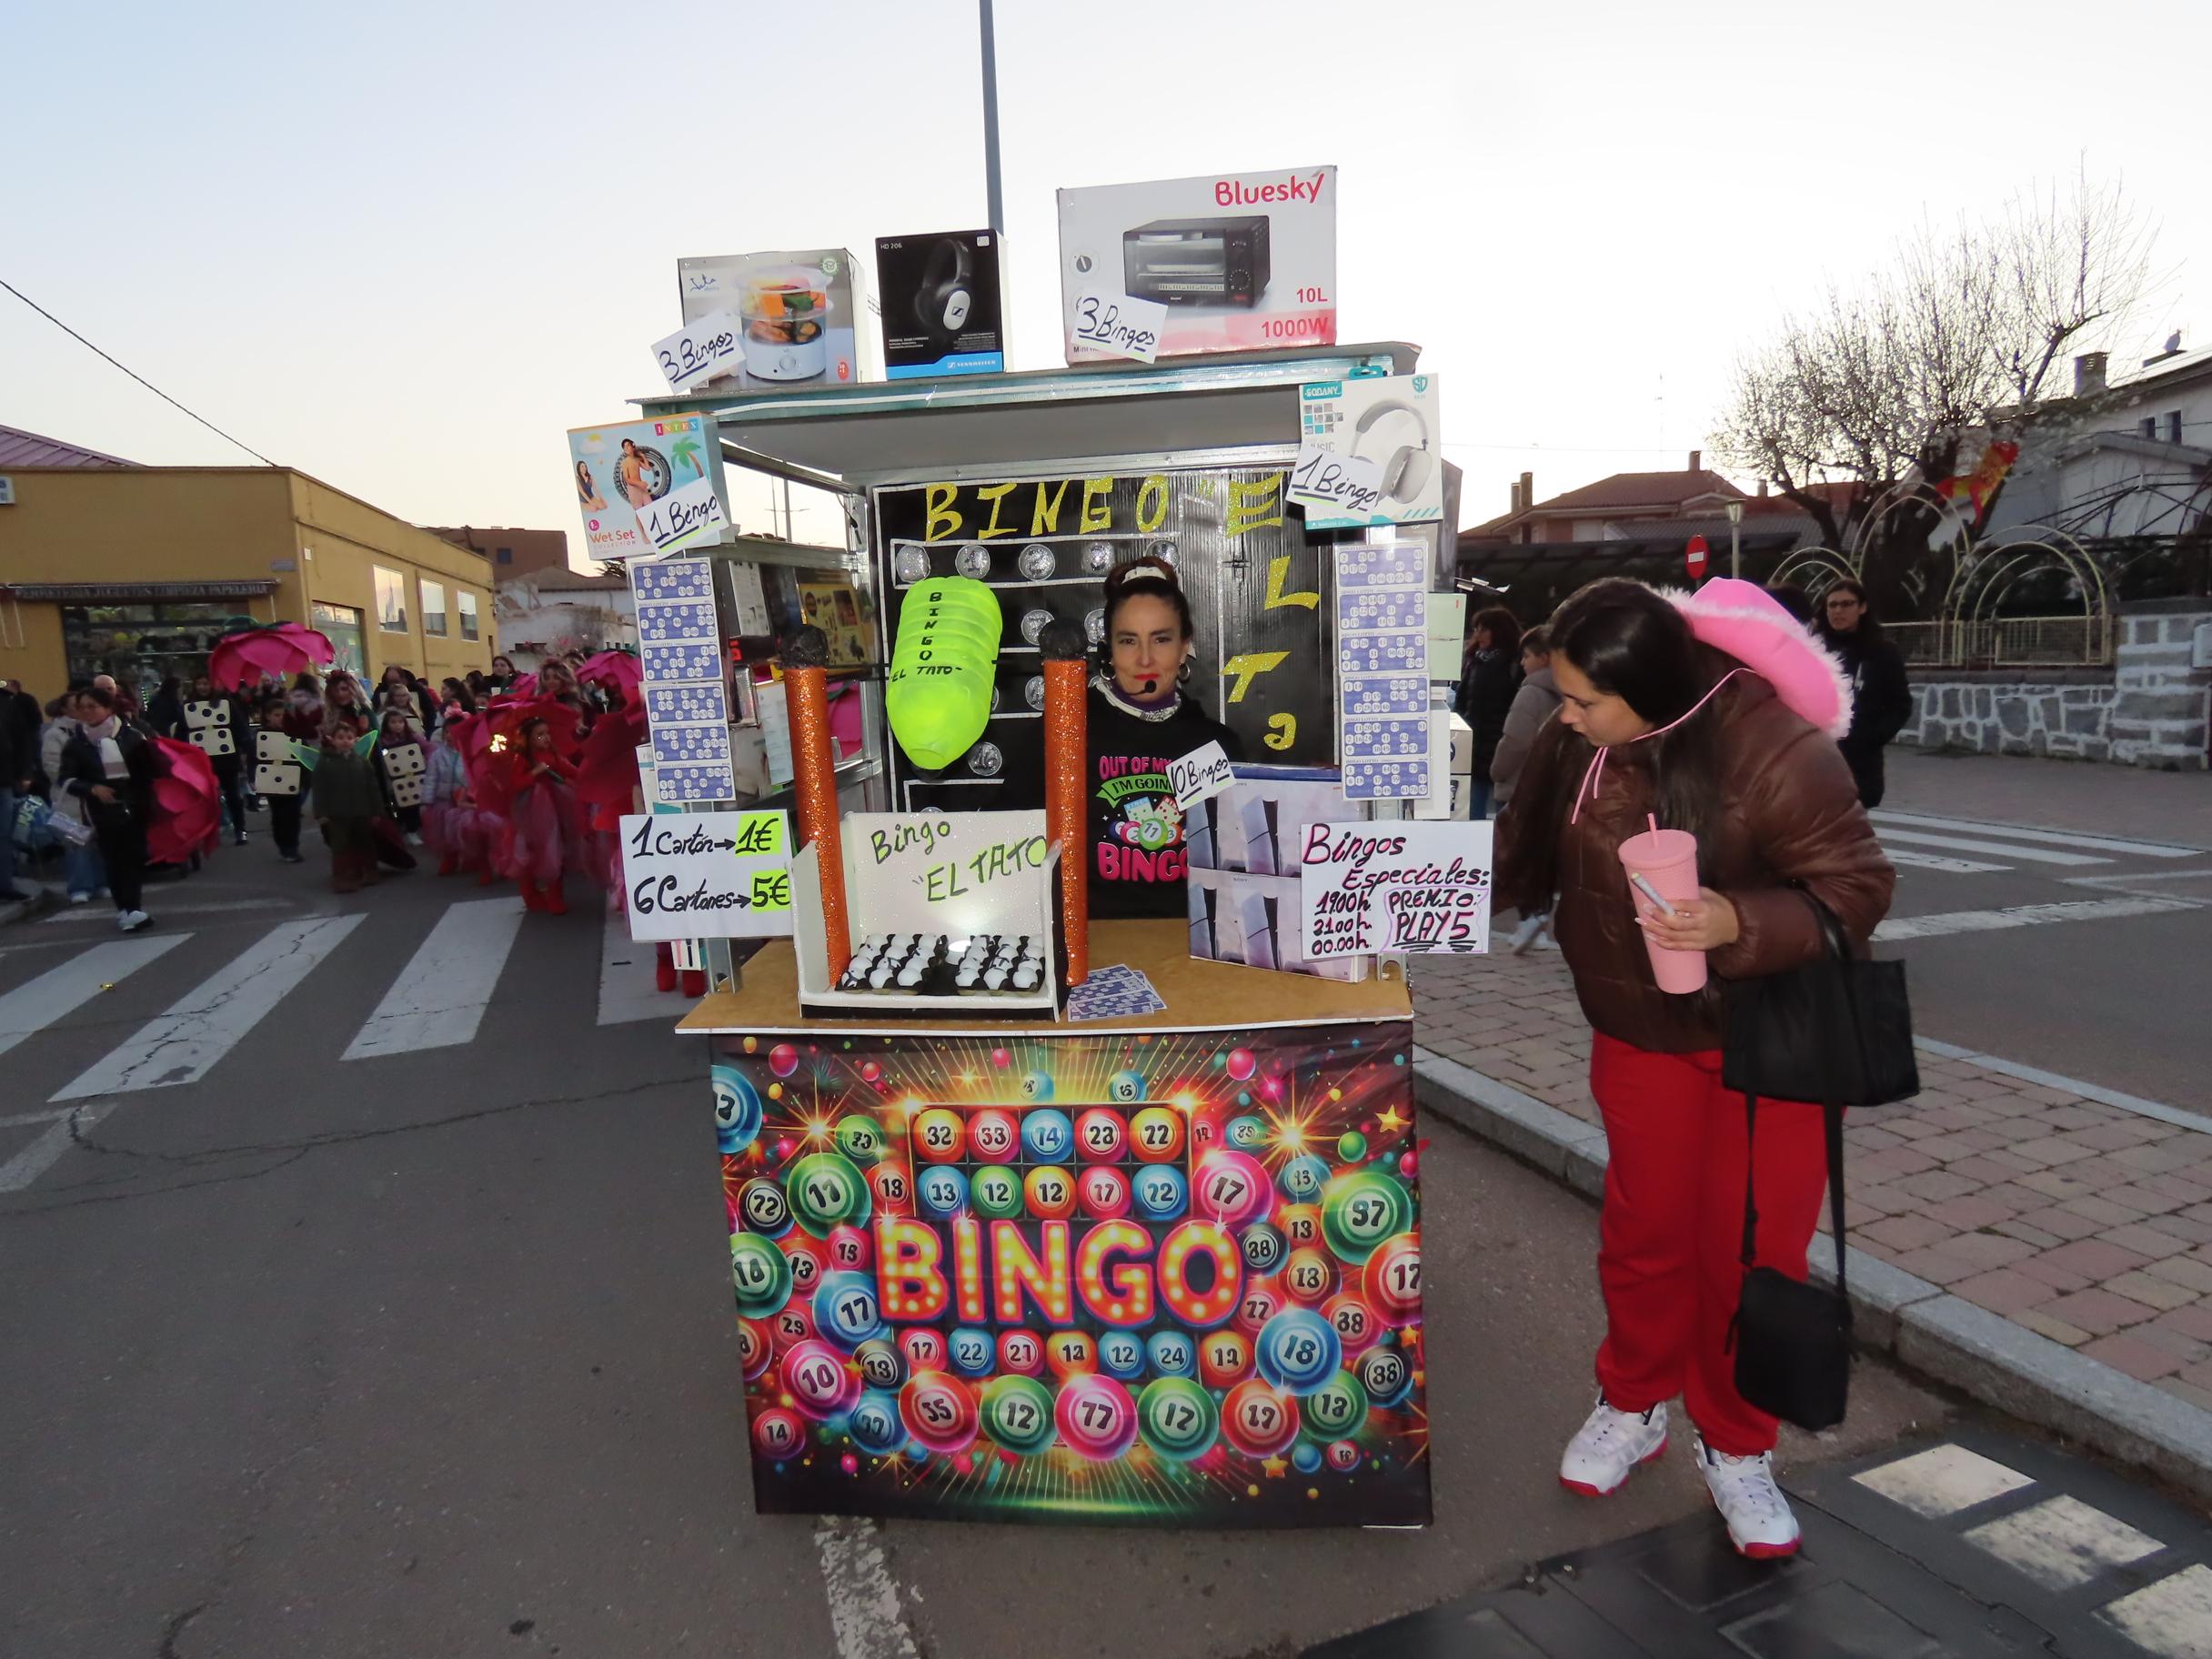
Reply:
x=1392, y=420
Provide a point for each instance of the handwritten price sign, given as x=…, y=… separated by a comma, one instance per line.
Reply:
x=1394, y=886
x=1344, y=483
x=1200, y=775
x=682, y=516
x=707, y=875
x=1119, y=327
x=700, y=351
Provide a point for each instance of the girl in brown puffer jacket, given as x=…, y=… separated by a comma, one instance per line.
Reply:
x=1656, y=719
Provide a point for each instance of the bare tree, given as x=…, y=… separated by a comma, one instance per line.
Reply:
x=1958, y=336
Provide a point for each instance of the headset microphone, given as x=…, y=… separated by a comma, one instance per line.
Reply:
x=1150, y=686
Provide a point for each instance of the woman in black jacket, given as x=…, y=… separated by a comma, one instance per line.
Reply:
x=109, y=765
x=1488, y=679
x=1881, y=699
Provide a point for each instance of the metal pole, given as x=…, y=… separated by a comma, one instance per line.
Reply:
x=1735, y=558
x=991, y=118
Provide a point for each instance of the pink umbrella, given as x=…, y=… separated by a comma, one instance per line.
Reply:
x=282, y=648
x=617, y=669
x=187, y=809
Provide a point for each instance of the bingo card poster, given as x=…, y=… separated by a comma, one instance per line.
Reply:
x=1155, y=1278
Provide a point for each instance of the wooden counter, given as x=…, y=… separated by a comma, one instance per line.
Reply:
x=1201, y=996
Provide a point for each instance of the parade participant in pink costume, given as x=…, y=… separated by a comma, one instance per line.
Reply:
x=457, y=830
x=548, y=819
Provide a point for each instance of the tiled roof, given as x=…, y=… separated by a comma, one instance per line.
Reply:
x=21, y=448
x=1639, y=489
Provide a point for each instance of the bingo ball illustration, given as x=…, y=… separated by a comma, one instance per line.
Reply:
x=1303, y=1178
x=1386, y=1376
x=1223, y=1357
x=1262, y=1299
x=1230, y=1187
x=1262, y=1247
x=1121, y=1354
x=1259, y=1419
x=1337, y=1407
x=894, y=1184
x=818, y=1379
x=993, y=1136
x=1300, y=1224
x=1310, y=1276
x=1050, y=1191
x=1125, y=1088
x=924, y=1350
x=1017, y=1412
x=737, y=1109
x=861, y=1139
x=1247, y=1133
x=825, y=1191
x=1241, y=1064
x=756, y=1351
x=783, y=1060
x=760, y=1274
x=1392, y=1280
x=1047, y=1136
x=939, y=1411
x=1160, y=1192
x=880, y=1366
x=1298, y=1350
x=1100, y=1135
x=1355, y=1324
x=1020, y=1352
x=845, y=1309
x=790, y=1325
x=1171, y=1354
x=848, y=1248
x=1068, y=1354
x=1096, y=1417
x=1360, y=1209
x=1344, y=1456
x=972, y=1350
x=1305, y=1457
x=939, y=1135
x=761, y=1203
x=808, y=1262
x=996, y=1192
x=778, y=1433
x=1351, y=1146
x=1177, y=1418
x=1155, y=1135
x=1104, y=1193
x=943, y=1189
x=1036, y=1086
x=874, y=1424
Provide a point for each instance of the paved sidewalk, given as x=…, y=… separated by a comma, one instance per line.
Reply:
x=2081, y=1220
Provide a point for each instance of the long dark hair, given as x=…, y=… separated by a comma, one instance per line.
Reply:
x=1869, y=630
x=1504, y=631
x=1629, y=642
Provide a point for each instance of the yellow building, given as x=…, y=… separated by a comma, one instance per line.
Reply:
x=136, y=571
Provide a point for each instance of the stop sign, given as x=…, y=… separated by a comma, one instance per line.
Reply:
x=1693, y=557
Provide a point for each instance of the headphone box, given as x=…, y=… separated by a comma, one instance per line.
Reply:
x=1241, y=261
x=944, y=304
x=799, y=316
x=1391, y=420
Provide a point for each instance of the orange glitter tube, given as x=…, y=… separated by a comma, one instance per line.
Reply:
x=1067, y=692
x=814, y=781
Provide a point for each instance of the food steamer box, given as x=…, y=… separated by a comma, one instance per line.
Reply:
x=1241, y=261
x=1243, y=846
x=800, y=316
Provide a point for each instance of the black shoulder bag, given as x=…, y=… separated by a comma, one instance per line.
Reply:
x=1837, y=1030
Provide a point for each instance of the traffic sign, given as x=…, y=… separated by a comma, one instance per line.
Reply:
x=1694, y=557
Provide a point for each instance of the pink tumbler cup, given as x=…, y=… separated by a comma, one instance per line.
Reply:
x=1667, y=859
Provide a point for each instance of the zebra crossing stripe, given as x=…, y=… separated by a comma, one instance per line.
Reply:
x=32, y=1006
x=1928, y=861
x=205, y=1024
x=439, y=998
x=2022, y=832
x=626, y=991
x=1956, y=843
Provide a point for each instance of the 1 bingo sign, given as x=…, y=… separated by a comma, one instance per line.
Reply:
x=1167, y=1278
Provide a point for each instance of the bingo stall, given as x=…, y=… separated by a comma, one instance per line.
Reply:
x=1034, y=1214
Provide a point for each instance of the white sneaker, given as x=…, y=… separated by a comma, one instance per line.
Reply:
x=1525, y=934
x=80, y=898
x=1608, y=1448
x=1759, y=1521
x=130, y=922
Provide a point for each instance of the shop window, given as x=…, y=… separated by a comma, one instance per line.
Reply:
x=341, y=625
x=143, y=643
x=434, y=608
x=467, y=603
x=391, y=600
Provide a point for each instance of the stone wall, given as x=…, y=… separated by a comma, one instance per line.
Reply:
x=2154, y=711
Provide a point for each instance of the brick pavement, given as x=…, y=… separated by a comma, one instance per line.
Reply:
x=2084, y=1222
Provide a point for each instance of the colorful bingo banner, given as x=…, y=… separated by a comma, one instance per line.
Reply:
x=1165, y=1278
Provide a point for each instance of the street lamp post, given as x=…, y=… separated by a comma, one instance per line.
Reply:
x=991, y=118
x=1736, y=551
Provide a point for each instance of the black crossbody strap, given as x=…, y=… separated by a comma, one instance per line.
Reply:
x=1832, y=1113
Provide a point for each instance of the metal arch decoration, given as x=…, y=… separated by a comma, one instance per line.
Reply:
x=1981, y=578
x=1814, y=569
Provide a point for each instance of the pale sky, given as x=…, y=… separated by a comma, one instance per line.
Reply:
x=403, y=248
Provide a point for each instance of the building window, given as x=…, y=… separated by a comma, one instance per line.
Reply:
x=341, y=625
x=467, y=603
x=507, y=555
x=434, y=608
x=2148, y=427
x=391, y=600
x=143, y=642
x=2173, y=427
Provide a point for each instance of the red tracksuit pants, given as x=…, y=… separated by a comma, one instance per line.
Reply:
x=1670, y=1240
